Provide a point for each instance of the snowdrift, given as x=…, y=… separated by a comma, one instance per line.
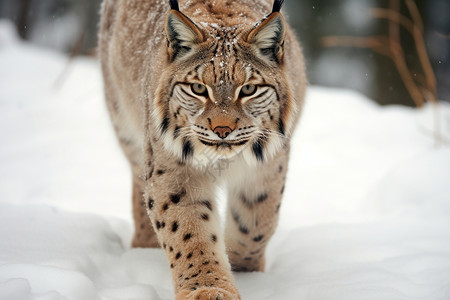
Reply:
x=366, y=212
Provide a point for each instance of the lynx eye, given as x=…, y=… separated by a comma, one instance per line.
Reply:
x=248, y=90
x=199, y=89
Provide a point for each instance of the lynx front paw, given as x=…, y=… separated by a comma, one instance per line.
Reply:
x=208, y=293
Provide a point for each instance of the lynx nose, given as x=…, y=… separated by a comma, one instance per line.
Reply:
x=222, y=131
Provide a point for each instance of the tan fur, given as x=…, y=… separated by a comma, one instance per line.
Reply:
x=180, y=145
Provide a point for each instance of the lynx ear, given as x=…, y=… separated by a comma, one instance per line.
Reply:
x=182, y=34
x=268, y=37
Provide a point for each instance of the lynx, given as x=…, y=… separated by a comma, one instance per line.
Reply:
x=203, y=94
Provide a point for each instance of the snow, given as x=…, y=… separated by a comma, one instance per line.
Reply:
x=366, y=212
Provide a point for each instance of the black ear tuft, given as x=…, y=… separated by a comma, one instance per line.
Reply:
x=277, y=4
x=174, y=5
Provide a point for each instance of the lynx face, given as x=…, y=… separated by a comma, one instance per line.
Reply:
x=225, y=93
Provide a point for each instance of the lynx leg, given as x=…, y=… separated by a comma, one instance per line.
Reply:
x=252, y=215
x=184, y=214
x=144, y=235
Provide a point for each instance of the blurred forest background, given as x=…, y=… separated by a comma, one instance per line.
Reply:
x=347, y=43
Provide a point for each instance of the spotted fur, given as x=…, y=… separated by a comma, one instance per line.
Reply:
x=202, y=92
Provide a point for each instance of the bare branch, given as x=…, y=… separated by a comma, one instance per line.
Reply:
x=375, y=43
x=421, y=48
x=415, y=15
x=394, y=16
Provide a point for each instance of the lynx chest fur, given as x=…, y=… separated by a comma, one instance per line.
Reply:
x=203, y=93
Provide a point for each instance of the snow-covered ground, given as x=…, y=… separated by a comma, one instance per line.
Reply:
x=366, y=213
